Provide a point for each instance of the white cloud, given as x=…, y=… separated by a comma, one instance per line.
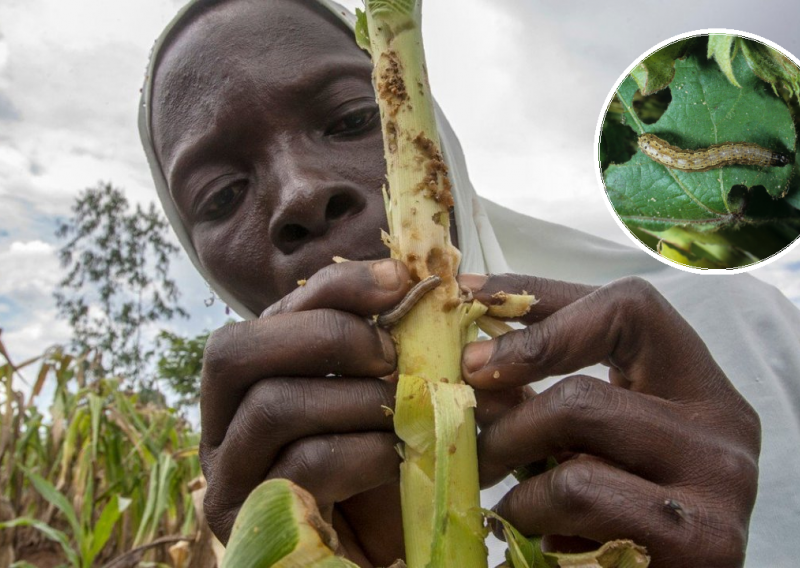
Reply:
x=31, y=272
x=41, y=331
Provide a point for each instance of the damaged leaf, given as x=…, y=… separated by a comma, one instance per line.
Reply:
x=706, y=109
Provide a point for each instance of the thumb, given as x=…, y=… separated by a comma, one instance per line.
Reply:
x=552, y=295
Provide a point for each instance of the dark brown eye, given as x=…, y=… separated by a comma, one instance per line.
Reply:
x=224, y=200
x=355, y=122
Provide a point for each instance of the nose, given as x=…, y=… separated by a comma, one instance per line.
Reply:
x=309, y=203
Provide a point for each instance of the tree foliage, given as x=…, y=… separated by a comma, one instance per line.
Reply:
x=117, y=283
x=180, y=363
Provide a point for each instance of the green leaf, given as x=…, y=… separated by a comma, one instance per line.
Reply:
x=51, y=494
x=52, y=534
x=793, y=198
x=362, y=31
x=720, y=48
x=158, y=497
x=95, y=407
x=279, y=523
x=105, y=524
x=705, y=110
x=770, y=65
x=391, y=7
x=450, y=402
x=702, y=250
x=657, y=70
x=522, y=552
x=84, y=538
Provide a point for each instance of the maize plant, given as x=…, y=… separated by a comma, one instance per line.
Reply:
x=103, y=480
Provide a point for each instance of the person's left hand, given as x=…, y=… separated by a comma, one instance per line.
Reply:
x=665, y=455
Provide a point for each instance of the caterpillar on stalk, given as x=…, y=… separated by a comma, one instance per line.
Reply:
x=704, y=159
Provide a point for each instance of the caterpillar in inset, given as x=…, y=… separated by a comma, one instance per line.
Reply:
x=716, y=156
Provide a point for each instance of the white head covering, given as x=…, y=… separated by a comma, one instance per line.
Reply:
x=752, y=330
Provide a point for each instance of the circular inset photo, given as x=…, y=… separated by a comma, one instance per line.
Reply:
x=697, y=152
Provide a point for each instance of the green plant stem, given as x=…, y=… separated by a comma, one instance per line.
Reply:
x=434, y=413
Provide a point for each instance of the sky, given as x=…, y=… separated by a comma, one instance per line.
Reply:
x=523, y=83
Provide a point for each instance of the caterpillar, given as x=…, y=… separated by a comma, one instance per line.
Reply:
x=716, y=156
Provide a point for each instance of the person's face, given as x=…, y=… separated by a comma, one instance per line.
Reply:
x=267, y=130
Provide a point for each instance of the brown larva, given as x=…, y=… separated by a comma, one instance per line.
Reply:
x=717, y=156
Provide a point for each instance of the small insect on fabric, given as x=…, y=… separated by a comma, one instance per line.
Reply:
x=704, y=159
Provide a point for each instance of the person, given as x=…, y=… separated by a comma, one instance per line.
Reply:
x=260, y=125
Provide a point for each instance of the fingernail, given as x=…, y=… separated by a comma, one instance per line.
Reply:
x=387, y=275
x=477, y=354
x=472, y=281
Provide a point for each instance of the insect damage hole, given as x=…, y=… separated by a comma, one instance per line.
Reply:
x=650, y=108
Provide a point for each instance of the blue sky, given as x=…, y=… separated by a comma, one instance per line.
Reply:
x=522, y=82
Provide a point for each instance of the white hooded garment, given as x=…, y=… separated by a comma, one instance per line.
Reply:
x=752, y=330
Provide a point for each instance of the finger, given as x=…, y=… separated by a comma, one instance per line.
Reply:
x=626, y=324
x=585, y=415
x=591, y=499
x=363, y=288
x=492, y=405
x=220, y=517
x=350, y=546
x=383, y=542
x=278, y=412
x=552, y=295
x=307, y=344
x=338, y=456
x=334, y=468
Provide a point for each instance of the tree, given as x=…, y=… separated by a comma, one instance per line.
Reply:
x=180, y=364
x=117, y=281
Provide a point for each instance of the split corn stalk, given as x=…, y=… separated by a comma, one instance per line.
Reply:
x=434, y=414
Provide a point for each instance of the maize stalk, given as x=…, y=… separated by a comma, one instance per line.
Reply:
x=434, y=414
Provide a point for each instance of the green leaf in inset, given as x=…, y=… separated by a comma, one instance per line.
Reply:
x=793, y=198
x=770, y=65
x=705, y=110
x=657, y=70
x=701, y=250
x=720, y=48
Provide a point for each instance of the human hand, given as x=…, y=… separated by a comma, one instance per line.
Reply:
x=665, y=455
x=269, y=408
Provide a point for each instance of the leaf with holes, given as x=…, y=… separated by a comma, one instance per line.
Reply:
x=706, y=109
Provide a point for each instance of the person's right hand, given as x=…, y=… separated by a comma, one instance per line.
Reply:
x=270, y=407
